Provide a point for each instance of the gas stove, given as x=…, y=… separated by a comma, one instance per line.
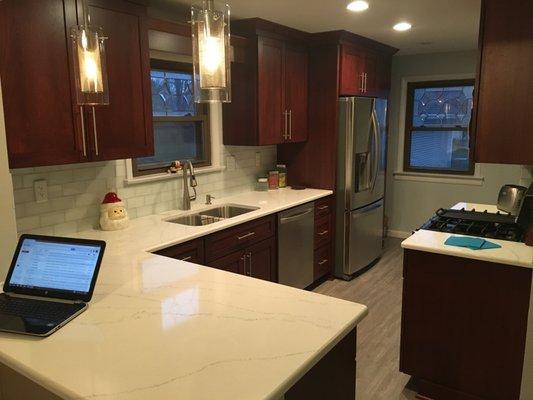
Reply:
x=474, y=223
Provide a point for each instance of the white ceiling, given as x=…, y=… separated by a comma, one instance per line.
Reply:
x=438, y=25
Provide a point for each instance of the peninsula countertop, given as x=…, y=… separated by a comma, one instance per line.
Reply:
x=511, y=253
x=159, y=328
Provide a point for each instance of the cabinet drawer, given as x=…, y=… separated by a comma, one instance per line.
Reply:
x=192, y=251
x=322, y=231
x=221, y=243
x=322, y=263
x=323, y=207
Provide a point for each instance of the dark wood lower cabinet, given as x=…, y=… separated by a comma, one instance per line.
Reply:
x=464, y=325
x=262, y=260
x=234, y=262
x=192, y=251
x=333, y=377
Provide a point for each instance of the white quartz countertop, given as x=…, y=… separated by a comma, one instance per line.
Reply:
x=511, y=253
x=159, y=328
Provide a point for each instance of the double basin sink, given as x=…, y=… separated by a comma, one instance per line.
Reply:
x=212, y=215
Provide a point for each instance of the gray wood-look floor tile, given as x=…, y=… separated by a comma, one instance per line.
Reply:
x=378, y=347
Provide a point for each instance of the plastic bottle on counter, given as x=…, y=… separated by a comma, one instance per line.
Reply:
x=282, y=175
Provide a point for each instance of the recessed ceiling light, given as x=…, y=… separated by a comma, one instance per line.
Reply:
x=402, y=26
x=357, y=6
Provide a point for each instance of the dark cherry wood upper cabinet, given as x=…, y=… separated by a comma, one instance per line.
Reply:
x=43, y=127
x=364, y=71
x=270, y=93
x=296, y=88
x=124, y=128
x=44, y=124
x=504, y=127
x=269, y=85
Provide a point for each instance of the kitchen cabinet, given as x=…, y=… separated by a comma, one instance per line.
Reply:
x=503, y=130
x=340, y=64
x=464, y=326
x=269, y=86
x=44, y=125
x=247, y=249
x=124, y=128
x=323, y=238
x=257, y=261
x=363, y=72
x=192, y=251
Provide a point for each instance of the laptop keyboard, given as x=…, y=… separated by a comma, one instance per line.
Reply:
x=37, y=309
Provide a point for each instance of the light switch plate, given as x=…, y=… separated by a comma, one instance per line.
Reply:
x=40, y=189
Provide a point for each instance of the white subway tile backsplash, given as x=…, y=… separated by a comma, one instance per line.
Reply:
x=27, y=223
x=75, y=191
x=55, y=218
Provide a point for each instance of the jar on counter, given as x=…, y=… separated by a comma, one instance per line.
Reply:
x=262, y=184
x=282, y=177
x=273, y=180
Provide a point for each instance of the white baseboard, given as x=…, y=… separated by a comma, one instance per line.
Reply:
x=398, y=234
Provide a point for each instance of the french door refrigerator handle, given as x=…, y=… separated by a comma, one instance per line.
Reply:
x=377, y=148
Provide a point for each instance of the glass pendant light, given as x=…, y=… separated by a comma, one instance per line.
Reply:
x=211, y=53
x=89, y=62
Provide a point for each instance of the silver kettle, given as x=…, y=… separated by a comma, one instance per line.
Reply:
x=510, y=198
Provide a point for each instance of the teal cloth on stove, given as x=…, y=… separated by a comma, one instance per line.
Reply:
x=473, y=243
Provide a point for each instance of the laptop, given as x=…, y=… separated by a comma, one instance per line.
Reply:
x=50, y=282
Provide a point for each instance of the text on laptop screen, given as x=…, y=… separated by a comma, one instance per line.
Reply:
x=55, y=266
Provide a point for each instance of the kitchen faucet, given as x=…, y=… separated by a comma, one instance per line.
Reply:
x=185, y=166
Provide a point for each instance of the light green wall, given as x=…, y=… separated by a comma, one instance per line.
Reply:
x=410, y=203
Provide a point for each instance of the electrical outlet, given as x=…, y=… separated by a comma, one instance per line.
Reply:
x=257, y=159
x=40, y=189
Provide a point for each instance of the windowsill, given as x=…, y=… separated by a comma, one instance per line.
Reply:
x=163, y=177
x=472, y=180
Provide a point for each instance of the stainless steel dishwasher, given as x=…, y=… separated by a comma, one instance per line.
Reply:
x=295, y=246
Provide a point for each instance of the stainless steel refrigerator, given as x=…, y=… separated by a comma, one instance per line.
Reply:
x=360, y=183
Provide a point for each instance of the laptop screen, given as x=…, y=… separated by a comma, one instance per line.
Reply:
x=55, y=265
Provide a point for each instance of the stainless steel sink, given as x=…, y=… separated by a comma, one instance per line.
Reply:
x=212, y=215
x=228, y=211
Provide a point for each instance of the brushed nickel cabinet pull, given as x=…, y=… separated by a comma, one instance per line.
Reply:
x=83, y=132
x=186, y=258
x=362, y=88
x=246, y=236
x=322, y=208
x=290, y=124
x=323, y=262
x=323, y=233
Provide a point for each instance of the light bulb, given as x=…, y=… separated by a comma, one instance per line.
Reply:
x=402, y=26
x=212, y=54
x=357, y=6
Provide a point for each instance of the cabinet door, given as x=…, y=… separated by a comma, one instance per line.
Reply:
x=124, y=128
x=270, y=96
x=42, y=125
x=296, y=92
x=378, y=75
x=261, y=260
x=352, y=71
x=233, y=262
x=192, y=251
x=505, y=84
